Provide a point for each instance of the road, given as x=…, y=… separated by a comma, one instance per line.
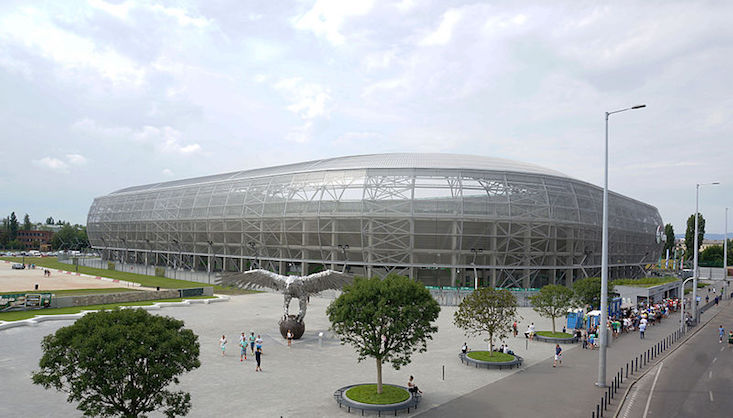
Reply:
x=695, y=380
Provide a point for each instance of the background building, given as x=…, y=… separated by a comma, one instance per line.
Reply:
x=36, y=239
x=429, y=216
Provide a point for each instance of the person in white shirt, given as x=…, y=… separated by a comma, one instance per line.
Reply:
x=531, y=331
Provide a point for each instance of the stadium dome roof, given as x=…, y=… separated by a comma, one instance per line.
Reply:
x=369, y=161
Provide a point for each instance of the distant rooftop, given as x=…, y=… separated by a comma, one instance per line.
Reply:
x=369, y=161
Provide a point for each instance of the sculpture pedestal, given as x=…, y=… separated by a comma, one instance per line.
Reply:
x=297, y=328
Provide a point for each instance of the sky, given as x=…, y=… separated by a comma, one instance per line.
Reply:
x=99, y=95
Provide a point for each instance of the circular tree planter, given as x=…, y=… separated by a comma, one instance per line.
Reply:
x=466, y=359
x=408, y=400
x=557, y=339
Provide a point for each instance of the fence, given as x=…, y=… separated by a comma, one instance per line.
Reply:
x=150, y=270
x=453, y=296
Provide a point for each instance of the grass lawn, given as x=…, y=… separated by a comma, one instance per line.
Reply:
x=644, y=282
x=76, y=292
x=368, y=394
x=554, y=334
x=147, y=281
x=491, y=356
x=18, y=315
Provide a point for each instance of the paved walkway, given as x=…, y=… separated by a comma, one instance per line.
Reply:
x=566, y=391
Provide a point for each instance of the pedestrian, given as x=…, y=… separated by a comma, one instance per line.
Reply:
x=243, y=347
x=531, y=331
x=223, y=344
x=258, y=343
x=558, y=355
x=721, y=333
x=514, y=329
x=464, y=349
x=290, y=338
x=585, y=341
x=642, y=329
x=258, y=357
x=412, y=387
x=252, y=342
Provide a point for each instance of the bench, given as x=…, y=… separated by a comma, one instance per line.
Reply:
x=411, y=403
x=517, y=362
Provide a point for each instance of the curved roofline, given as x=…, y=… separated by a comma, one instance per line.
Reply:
x=368, y=161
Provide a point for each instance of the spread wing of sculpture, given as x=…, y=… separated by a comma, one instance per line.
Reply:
x=299, y=287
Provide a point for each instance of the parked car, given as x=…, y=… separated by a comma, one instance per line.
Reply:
x=18, y=266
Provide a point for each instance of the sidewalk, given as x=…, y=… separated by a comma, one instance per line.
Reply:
x=566, y=391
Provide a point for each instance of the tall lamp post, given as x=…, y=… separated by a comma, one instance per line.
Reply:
x=695, y=268
x=343, y=249
x=475, y=251
x=725, y=248
x=604, y=263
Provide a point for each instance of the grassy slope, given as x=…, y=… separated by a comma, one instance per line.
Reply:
x=148, y=281
x=18, y=315
x=76, y=292
x=554, y=334
x=644, y=282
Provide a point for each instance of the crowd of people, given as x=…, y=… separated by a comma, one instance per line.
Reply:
x=251, y=342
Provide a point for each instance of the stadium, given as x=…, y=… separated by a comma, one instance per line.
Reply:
x=432, y=217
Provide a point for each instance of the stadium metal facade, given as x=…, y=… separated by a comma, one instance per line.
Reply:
x=430, y=216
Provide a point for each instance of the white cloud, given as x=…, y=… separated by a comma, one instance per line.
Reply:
x=166, y=139
x=76, y=159
x=122, y=11
x=307, y=100
x=442, y=35
x=327, y=17
x=167, y=172
x=51, y=163
x=35, y=30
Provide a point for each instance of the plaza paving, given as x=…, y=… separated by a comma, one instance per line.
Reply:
x=297, y=381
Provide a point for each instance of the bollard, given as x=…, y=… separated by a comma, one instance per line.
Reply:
x=609, y=396
x=621, y=373
x=320, y=339
x=627, y=369
x=444, y=372
x=637, y=363
x=598, y=410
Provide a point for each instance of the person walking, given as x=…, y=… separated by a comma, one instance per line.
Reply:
x=258, y=343
x=721, y=333
x=243, y=347
x=223, y=344
x=258, y=357
x=514, y=329
x=290, y=338
x=531, y=331
x=412, y=387
x=558, y=355
x=464, y=349
x=642, y=329
x=252, y=342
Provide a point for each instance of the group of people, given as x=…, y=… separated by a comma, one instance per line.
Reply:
x=254, y=344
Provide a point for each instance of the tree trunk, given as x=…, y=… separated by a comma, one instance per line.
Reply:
x=491, y=342
x=553, y=324
x=379, y=376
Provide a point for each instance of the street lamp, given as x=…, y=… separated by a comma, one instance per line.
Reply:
x=473, y=263
x=124, y=255
x=725, y=248
x=208, y=265
x=343, y=248
x=695, y=269
x=682, y=299
x=604, y=262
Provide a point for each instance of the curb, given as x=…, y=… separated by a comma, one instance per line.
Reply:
x=32, y=322
x=689, y=335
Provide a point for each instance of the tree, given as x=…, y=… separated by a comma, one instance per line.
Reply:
x=690, y=234
x=487, y=310
x=27, y=225
x=669, y=244
x=553, y=301
x=120, y=363
x=387, y=319
x=13, y=227
x=49, y=221
x=588, y=291
x=70, y=238
x=712, y=255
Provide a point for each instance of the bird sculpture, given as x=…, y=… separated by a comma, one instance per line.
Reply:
x=299, y=287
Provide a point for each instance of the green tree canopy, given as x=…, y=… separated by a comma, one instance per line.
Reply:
x=387, y=319
x=669, y=243
x=713, y=255
x=49, y=221
x=120, y=363
x=13, y=227
x=588, y=291
x=690, y=234
x=553, y=301
x=27, y=225
x=487, y=311
x=70, y=238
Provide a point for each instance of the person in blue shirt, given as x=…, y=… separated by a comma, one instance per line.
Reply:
x=558, y=355
x=721, y=332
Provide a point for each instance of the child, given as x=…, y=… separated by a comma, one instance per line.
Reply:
x=223, y=344
x=243, y=347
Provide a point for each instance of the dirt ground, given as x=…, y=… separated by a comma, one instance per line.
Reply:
x=12, y=280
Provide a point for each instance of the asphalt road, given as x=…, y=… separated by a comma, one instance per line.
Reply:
x=694, y=381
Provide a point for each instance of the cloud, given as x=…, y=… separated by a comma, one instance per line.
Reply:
x=167, y=172
x=122, y=11
x=442, y=35
x=307, y=100
x=35, y=31
x=327, y=17
x=76, y=159
x=165, y=139
x=53, y=164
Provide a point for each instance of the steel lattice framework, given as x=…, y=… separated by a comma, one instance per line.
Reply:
x=415, y=214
